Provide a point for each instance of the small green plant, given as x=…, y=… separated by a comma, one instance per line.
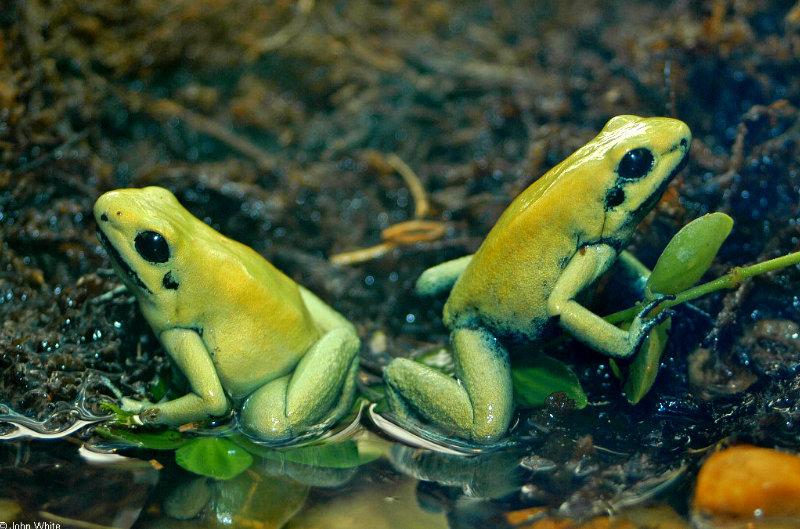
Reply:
x=542, y=376
x=223, y=453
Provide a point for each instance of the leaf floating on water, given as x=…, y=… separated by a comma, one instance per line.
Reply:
x=214, y=457
x=163, y=440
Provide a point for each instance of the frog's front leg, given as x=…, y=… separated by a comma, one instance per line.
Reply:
x=478, y=405
x=207, y=399
x=589, y=263
x=316, y=394
x=441, y=277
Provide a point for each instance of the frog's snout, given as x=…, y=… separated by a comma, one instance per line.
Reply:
x=685, y=135
x=102, y=208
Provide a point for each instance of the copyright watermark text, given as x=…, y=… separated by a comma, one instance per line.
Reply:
x=30, y=525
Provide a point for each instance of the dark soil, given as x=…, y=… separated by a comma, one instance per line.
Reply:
x=274, y=121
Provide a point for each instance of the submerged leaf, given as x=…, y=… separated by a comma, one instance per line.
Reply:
x=333, y=455
x=214, y=457
x=689, y=254
x=534, y=383
x=163, y=440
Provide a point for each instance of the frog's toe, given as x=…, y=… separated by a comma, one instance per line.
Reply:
x=409, y=431
x=134, y=406
x=149, y=416
x=651, y=305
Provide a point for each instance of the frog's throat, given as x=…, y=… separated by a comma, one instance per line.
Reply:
x=116, y=258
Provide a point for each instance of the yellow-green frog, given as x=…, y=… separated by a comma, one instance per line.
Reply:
x=242, y=332
x=553, y=241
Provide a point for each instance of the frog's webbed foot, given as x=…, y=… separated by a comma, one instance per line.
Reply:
x=145, y=412
x=318, y=393
x=477, y=406
x=642, y=324
x=652, y=304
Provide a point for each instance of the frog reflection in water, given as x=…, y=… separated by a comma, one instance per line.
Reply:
x=552, y=242
x=239, y=330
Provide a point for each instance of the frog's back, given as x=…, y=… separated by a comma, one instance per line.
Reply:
x=507, y=283
x=261, y=327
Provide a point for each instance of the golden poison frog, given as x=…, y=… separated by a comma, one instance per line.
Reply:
x=244, y=334
x=553, y=241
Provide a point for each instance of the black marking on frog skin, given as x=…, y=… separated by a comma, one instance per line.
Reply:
x=491, y=342
x=513, y=335
x=614, y=197
x=169, y=283
x=115, y=256
x=616, y=244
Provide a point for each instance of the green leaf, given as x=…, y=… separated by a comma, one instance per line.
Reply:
x=340, y=454
x=615, y=369
x=644, y=368
x=119, y=416
x=163, y=440
x=214, y=457
x=546, y=375
x=158, y=388
x=689, y=254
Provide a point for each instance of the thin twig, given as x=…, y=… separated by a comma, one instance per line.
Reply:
x=411, y=179
x=737, y=156
x=402, y=233
x=164, y=109
x=288, y=32
x=75, y=138
x=412, y=231
x=359, y=256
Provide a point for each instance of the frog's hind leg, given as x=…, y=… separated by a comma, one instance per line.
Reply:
x=316, y=394
x=416, y=389
x=478, y=405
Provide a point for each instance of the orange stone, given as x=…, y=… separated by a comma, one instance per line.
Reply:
x=654, y=517
x=747, y=481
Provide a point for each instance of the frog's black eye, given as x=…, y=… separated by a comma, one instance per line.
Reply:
x=635, y=164
x=152, y=246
